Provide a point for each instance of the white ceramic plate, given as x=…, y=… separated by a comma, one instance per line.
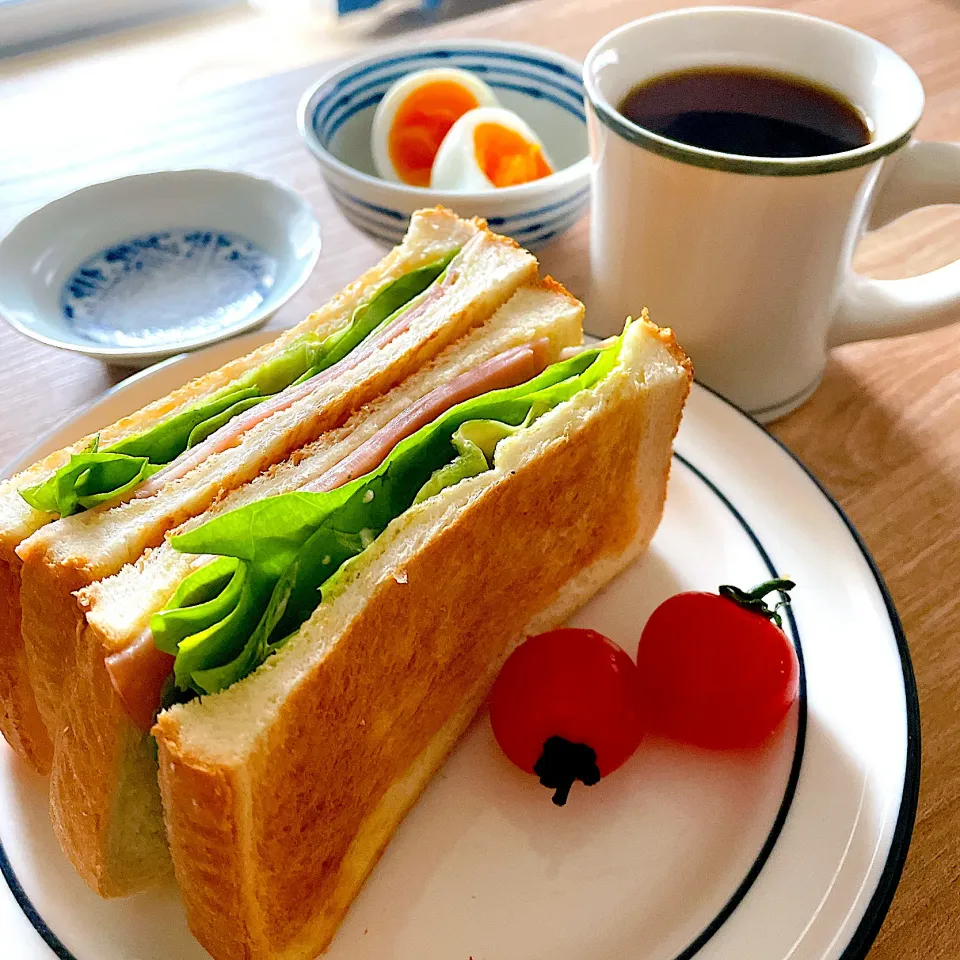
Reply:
x=791, y=852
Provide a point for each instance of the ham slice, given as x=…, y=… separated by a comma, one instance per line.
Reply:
x=232, y=432
x=139, y=670
x=138, y=673
x=504, y=370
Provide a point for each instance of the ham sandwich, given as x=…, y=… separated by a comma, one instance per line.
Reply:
x=272, y=601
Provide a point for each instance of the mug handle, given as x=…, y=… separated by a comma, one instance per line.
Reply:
x=928, y=173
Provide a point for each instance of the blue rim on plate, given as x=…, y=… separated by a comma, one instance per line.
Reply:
x=876, y=910
x=879, y=903
x=794, y=777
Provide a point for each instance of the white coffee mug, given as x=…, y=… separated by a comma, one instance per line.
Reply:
x=749, y=258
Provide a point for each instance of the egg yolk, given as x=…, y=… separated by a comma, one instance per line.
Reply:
x=421, y=123
x=506, y=158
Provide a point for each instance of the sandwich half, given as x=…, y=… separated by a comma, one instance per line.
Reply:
x=118, y=494
x=376, y=616
x=104, y=794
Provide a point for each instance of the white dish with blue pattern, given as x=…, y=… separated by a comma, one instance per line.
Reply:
x=133, y=270
x=543, y=87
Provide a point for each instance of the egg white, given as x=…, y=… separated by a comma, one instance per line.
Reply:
x=455, y=167
x=394, y=98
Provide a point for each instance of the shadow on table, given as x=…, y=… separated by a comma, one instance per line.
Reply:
x=884, y=464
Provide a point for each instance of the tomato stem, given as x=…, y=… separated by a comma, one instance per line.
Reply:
x=753, y=600
x=562, y=763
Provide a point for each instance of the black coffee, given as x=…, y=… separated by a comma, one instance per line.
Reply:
x=754, y=113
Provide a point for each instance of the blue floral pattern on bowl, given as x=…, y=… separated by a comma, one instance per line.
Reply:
x=165, y=287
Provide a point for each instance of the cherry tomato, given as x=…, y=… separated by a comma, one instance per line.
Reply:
x=566, y=707
x=716, y=670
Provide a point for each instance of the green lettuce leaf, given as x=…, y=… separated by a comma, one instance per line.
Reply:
x=221, y=641
x=43, y=496
x=310, y=355
x=203, y=430
x=87, y=480
x=92, y=477
x=475, y=442
x=169, y=439
x=292, y=544
x=383, y=308
x=201, y=600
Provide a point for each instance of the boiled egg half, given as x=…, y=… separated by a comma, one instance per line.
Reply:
x=486, y=148
x=414, y=117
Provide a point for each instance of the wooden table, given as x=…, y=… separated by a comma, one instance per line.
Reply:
x=882, y=433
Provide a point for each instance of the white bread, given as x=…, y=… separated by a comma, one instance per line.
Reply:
x=104, y=797
x=280, y=793
x=432, y=234
x=64, y=556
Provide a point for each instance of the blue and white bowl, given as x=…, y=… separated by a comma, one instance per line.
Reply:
x=140, y=268
x=543, y=87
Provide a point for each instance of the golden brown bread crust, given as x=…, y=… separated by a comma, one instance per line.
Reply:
x=48, y=607
x=377, y=828
x=20, y=720
x=99, y=768
x=557, y=287
x=407, y=663
x=114, y=839
x=666, y=336
x=206, y=834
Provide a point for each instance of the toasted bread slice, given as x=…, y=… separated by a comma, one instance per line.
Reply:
x=73, y=552
x=281, y=792
x=432, y=234
x=104, y=797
